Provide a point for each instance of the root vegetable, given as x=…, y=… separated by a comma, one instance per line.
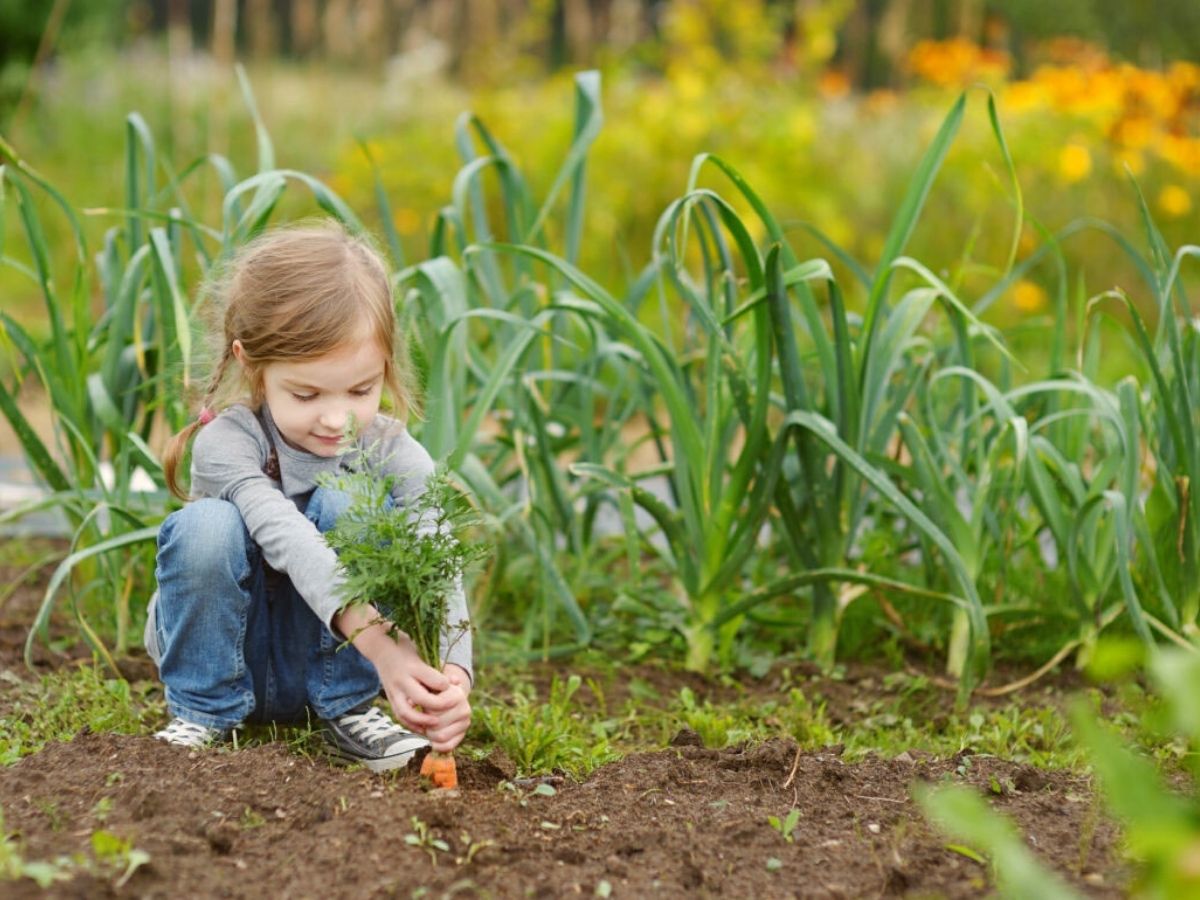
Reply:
x=440, y=769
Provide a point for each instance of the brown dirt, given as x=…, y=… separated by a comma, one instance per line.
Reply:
x=686, y=821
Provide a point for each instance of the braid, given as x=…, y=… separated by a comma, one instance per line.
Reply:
x=176, y=447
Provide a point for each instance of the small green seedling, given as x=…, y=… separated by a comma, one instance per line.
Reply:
x=787, y=825
x=118, y=855
x=474, y=848
x=422, y=838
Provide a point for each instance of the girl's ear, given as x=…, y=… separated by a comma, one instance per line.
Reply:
x=239, y=353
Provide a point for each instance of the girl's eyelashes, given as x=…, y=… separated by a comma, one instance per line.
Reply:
x=357, y=392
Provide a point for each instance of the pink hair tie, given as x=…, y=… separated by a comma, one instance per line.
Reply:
x=206, y=416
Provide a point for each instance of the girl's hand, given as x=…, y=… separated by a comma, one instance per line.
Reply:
x=455, y=718
x=408, y=683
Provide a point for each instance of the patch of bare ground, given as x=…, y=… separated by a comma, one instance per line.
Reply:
x=685, y=821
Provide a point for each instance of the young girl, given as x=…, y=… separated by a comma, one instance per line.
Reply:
x=246, y=624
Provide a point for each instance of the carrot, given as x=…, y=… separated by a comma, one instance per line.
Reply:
x=440, y=769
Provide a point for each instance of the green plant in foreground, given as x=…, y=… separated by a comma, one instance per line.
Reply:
x=1162, y=827
x=14, y=866
x=961, y=812
x=114, y=859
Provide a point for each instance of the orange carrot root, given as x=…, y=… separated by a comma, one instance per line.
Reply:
x=440, y=769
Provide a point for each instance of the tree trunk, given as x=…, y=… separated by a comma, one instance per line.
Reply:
x=260, y=28
x=577, y=28
x=893, y=37
x=624, y=24
x=305, y=27
x=338, y=30
x=224, y=50
x=179, y=49
x=370, y=29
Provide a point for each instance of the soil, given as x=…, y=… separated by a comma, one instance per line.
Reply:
x=684, y=821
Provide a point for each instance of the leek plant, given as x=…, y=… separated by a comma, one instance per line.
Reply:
x=509, y=355
x=745, y=436
x=103, y=381
x=112, y=377
x=1170, y=533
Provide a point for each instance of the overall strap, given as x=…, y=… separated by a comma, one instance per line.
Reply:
x=271, y=467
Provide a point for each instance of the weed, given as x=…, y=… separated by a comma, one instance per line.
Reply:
x=59, y=705
x=716, y=727
x=102, y=808
x=786, y=825
x=117, y=855
x=422, y=838
x=251, y=818
x=542, y=738
x=114, y=859
x=472, y=848
x=55, y=816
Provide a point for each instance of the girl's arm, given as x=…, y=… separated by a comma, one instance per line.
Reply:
x=227, y=463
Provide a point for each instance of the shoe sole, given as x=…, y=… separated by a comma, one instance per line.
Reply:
x=382, y=764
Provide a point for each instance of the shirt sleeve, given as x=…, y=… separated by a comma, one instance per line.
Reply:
x=227, y=461
x=404, y=457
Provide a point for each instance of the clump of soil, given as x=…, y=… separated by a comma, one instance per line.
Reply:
x=685, y=821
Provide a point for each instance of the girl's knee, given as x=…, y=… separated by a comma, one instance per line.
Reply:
x=326, y=506
x=205, y=534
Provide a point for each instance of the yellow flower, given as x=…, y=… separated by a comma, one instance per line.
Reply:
x=1074, y=163
x=1174, y=201
x=1135, y=132
x=1029, y=297
x=1182, y=152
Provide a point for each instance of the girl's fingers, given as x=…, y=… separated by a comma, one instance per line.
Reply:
x=446, y=739
x=431, y=679
x=415, y=719
x=429, y=701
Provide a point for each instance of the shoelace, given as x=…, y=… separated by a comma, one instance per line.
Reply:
x=187, y=734
x=371, y=726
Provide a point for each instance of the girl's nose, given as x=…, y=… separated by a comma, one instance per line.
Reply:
x=333, y=418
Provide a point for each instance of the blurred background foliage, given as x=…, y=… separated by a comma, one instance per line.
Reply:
x=824, y=106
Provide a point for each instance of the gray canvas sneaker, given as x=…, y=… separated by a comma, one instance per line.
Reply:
x=366, y=735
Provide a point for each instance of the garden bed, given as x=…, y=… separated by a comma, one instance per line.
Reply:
x=682, y=821
x=276, y=818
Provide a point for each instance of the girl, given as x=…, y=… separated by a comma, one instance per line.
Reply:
x=246, y=624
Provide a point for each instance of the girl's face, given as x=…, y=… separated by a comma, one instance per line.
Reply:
x=314, y=401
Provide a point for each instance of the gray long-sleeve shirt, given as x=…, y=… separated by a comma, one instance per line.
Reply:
x=228, y=457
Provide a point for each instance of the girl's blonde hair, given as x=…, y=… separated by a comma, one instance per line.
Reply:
x=294, y=293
